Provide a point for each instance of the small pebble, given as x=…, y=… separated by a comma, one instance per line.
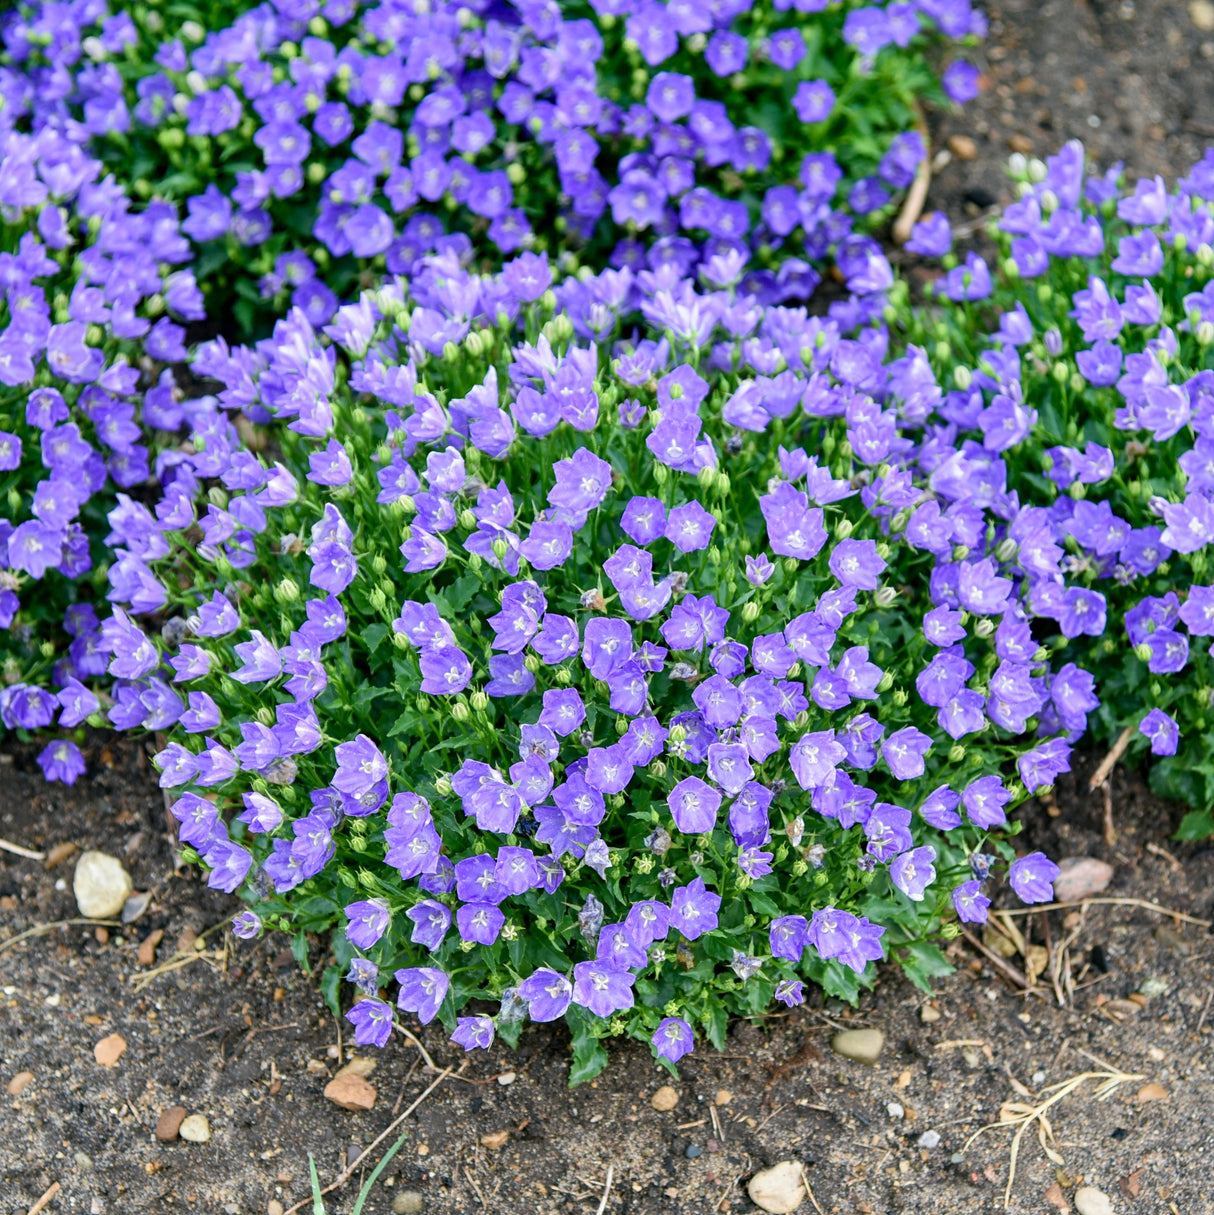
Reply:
x=693, y=1150
x=169, y=1123
x=929, y=1014
x=862, y=1045
x=894, y=1110
x=83, y=1162
x=507, y=1078
x=1038, y=1078
x=1081, y=877
x=408, y=1202
x=1201, y=13
x=195, y=1129
x=929, y=1140
x=1152, y=1092
x=962, y=147
x=665, y=1099
x=109, y=1050
x=1152, y=987
x=723, y=1097
x=274, y=1207
x=779, y=1189
x=101, y=885
x=19, y=1083
x=1091, y=1201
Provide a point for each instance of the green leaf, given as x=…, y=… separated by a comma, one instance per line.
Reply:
x=299, y=948
x=716, y=1024
x=924, y=961
x=364, y=1193
x=589, y=1056
x=1196, y=825
x=373, y=635
x=330, y=986
x=318, y=1203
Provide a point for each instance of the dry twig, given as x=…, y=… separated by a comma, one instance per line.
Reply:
x=39, y=929
x=1109, y=901
x=805, y=1182
x=18, y=850
x=606, y=1189
x=1000, y=964
x=400, y=1029
x=1110, y=832
x=54, y=1189
x=1022, y=1115
x=1116, y=751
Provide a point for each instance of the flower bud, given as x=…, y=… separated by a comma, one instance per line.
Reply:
x=450, y=352
x=1205, y=333
x=843, y=529
x=379, y=564
x=791, y=565
x=1143, y=651
x=1205, y=255
x=801, y=720
x=661, y=474
x=899, y=697
x=899, y=521
x=658, y=769
x=885, y=596
x=885, y=682
x=265, y=715
x=500, y=548
x=984, y=627
x=532, y=663
x=721, y=484
x=378, y=599
x=678, y=734
x=706, y=476
x=960, y=552
x=400, y=642
x=442, y=787
x=750, y=612
x=287, y=591
x=963, y=377
x=459, y=711
x=472, y=344
x=799, y=868
x=479, y=700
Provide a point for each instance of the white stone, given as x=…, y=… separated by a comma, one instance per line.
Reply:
x=100, y=885
x=195, y=1129
x=929, y=1140
x=894, y=1110
x=1091, y=1201
x=779, y=1189
x=862, y=1045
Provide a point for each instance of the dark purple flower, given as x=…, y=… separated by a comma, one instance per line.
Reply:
x=422, y=991
x=372, y=1021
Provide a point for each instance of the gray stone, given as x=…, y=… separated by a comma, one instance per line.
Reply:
x=929, y=1140
x=101, y=885
x=408, y=1202
x=862, y=1045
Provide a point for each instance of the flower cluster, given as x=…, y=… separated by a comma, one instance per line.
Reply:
x=630, y=673
x=314, y=145
x=87, y=340
x=1104, y=365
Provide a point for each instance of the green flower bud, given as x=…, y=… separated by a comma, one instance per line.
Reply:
x=479, y=700
x=885, y=596
x=265, y=715
x=750, y=612
x=960, y=552
x=801, y=720
x=843, y=529
x=400, y=642
x=1205, y=255
x=287, y=591
x=1143, y=651
x=984, y=628
x=1205, y=333
x=563, y=677
x=791, y=565
x=885, y=682
x=899, y=697
x=658, y=769
x=678, y=734
x=956, y=753
x=442, y=787
x=532, y=663
x=500, y=548
x=459, y=711
x=799, y=868
x=378, y=599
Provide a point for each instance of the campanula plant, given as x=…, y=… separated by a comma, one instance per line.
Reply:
x=593, y=649
x=317, y=145
x=89, y=329
x=1103, y=365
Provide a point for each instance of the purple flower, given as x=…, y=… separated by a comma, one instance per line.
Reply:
x=694, y=806
x=813, y=101
x=372, y=1021
x=888, y=831
x=1162, y=730
x=473, y=1033
x=689, y=527
x=246, y=925
x=960, y=81
x=788, y=937
x=602, y=989
x=431, y=920
x=693, y=909
x=548, y=994
x=913, y=872
x=856, y=563
x=1032, y=877
x=670, y=96
x=673, y=1039
x=904, y=751
x=984, y=800
x=970, y=902
x=366, y=920
x=61, y=760
x=422, y=991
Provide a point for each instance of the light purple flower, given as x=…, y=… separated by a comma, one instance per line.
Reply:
x=1032, y=877
x=673, y=1039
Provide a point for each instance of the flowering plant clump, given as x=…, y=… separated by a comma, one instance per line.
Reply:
x=316, y=145
x=86, y=337
x=1104, y=366
x=631, y=675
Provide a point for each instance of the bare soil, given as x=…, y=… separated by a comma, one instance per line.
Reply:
x=240, y=1035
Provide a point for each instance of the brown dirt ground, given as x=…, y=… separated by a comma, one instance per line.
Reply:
x=1133, y=79
x=242, y=1037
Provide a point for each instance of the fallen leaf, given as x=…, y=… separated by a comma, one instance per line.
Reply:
x=109, y=1050
x=59, y=853
x=1055, y=1197
x=496, y=1141
x=359, y=1065
x=1130, y=1186
x=1152, y=1092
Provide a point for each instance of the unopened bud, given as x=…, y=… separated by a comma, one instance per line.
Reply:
x=984, y=627
x=885, y=596
x=843, y=529
x=459, y=711
x=963, y=377
x=750, y=612
x=287, y=591
x=479, y=700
